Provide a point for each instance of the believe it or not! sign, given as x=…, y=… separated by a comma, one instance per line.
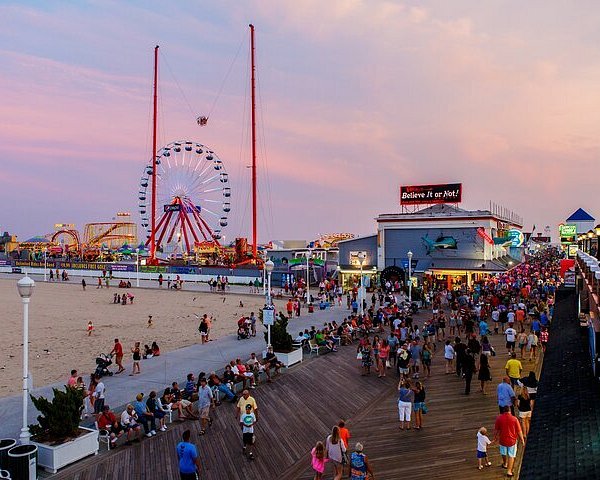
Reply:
x=428, y=194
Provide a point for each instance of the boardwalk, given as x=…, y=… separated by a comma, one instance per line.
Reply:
x=300, y=407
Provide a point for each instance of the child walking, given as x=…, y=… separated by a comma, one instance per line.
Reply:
x=90, y=328
x=318, y=460
x=482, y=442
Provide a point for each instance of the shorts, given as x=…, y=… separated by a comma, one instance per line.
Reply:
x=98, y=406
x=204, y=412
x=403, y=370
x=188, y=476
x=416, y=363
x=248, y=438
x=427, y=362
x=510, y=451
x=481, y=454
x=185, y=403
x=525, y=414
x=510, y=344
x=418, y=406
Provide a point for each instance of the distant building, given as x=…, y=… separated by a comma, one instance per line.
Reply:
x=450, y=246
x=582, y=220
x=8, y=242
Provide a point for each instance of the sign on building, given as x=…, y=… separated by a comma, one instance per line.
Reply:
x=357, y=257
x=429, y=194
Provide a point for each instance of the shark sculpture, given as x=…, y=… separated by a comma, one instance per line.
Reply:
x=442, y=242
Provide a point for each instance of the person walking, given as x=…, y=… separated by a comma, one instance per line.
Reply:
x=137, y=357
x=449, y=357
x=205, y=402
x=247, y=421
x=336, y=452
x=118, y=353
x=83, y=284
x=360, y=467
x=318, y=460
x=189, y=462
x=506, y=395
x=507, y=431
x=513, y=369
x=484, y=374
x=524, y=404
x=468, y=368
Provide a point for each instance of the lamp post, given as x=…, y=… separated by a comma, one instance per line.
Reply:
x=410, y=254
x=597, y=231
x=25, y=288
x=45, y=263
x=308, y=255
x=361, y=258
x=269, y=266
x=137, y=267
x=264, y=274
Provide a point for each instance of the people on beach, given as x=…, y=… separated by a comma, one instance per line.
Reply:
x=136, y=357
x=117, y=351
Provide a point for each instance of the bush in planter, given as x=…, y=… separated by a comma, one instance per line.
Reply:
x=59, y=419
x=281, y=340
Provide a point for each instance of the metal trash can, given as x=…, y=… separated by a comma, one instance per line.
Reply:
x=22, y=462
x=5, y=445
x=5, y=475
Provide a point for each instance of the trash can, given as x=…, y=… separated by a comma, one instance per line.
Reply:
x=5, y=445
x=22, y=462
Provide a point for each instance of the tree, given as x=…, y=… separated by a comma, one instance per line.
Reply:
x=281, y=340
x=59, y=419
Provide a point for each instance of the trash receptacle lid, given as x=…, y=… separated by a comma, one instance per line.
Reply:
x=6, y=443
x=22, y=450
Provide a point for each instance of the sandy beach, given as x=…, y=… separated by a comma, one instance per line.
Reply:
x=58, y=319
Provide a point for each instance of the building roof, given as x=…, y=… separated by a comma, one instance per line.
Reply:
x=580, y=215
x=444, y=210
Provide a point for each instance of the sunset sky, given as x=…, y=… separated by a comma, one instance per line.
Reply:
x=356, y=98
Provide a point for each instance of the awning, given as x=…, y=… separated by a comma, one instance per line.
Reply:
x=469, y=265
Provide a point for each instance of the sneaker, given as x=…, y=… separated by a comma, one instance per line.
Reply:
x=163, y=429
x=149, y=434
x=153, y=432
x=489, y=464
x=252, y=387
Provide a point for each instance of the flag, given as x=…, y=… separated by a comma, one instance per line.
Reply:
x=533, y=229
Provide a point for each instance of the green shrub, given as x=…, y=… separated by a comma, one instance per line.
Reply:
x=59, y=419
x=281, y=340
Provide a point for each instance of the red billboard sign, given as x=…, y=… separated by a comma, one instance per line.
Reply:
x=428, y=194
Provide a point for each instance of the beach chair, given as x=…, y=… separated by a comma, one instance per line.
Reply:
x=103, y=436
x=313, y=346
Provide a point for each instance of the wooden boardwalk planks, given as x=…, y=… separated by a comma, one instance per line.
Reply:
x=302, y=405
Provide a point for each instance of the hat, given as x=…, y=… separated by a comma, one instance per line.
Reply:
x=139, y=397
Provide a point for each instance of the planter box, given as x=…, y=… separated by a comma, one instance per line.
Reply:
x=289, y=359
x=57, y=456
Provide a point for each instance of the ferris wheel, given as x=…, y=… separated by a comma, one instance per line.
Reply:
x=192, y=197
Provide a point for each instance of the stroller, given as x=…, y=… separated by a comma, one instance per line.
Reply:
x=103, y=361
x=243, y=329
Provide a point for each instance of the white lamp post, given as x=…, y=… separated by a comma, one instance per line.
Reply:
x=137, y=267
x=410, y=254
x=45, y=263
x=361, y=257
x=264, y=272
x=25, y=287
x=269, y=266
x=308, y=255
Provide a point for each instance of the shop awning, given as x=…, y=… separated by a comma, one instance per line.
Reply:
x=466, y=264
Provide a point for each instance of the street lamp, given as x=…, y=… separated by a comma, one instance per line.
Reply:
x=269, y=266
x=137, y=267
x=361, y=258
x=45, y=263
x=308, y=255
x=264, y=272
x=25, y=288
x=410, y=254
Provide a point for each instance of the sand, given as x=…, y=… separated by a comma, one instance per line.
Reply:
x=59, y=313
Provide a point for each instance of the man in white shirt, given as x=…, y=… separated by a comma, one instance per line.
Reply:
x=495, y=319
x=511, y=335
x=99, y=394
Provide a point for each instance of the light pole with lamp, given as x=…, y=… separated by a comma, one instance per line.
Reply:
x=25, y=288
x=361, y=257
x=264, y=274
x=410, y=254
x=269, y=266
x=308, y=255
x=45, y=263
x=137, y=267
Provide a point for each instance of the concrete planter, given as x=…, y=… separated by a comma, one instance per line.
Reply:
x=53, y=457
x=291, y=358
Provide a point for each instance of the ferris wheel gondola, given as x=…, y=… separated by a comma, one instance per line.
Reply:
x=192, y=196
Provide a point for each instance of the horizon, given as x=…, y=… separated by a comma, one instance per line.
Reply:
x=352, y=104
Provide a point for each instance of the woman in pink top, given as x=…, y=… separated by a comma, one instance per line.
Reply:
x=319, y=460
x=384, y=353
